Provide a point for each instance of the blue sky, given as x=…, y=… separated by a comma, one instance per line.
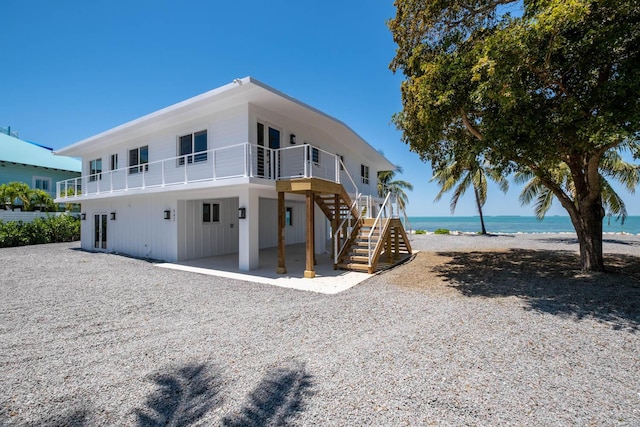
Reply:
x=74, y=68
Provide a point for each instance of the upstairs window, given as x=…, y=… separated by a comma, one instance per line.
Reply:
x=210, y=212
x=114, y=162
x=95, y=170
x=341, y=161
x=139, y=159
x=192, y=147
x=364, y=174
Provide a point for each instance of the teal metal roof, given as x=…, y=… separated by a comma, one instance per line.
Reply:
x=18, y=151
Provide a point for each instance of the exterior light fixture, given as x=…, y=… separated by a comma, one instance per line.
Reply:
x=167, y=214
x=83, y=216
x=113, y=216
x=292, y=139
x=242, y=213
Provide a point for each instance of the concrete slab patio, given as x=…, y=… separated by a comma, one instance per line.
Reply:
x=327, y=280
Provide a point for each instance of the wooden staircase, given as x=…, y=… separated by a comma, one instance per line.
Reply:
x=389, y=241
x=389, y=245
x=362, y=243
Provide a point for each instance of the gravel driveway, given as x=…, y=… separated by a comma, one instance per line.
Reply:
x=98, y=339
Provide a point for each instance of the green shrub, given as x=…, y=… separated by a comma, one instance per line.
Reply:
x=52, y=229
x=441, y=231
x=421, y=231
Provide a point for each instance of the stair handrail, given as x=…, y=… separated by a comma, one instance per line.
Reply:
x=377, y=223
x=343, y=168
x=350, y=227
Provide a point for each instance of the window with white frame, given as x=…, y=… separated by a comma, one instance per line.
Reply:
x=364, y=174
x=139, y=159
x=210, y=212
x=95, y=169
x=192, y=147
x=114, y=162
x=42, y=183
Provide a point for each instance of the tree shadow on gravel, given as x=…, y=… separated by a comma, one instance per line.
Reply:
x=276, y=401
x=574, y=241
x=551, y=282
x=75, y=418
x=183, y=397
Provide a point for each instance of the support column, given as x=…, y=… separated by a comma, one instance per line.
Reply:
x=282, y=268
x=335, y=223
x=309, y=271
x=249, y=230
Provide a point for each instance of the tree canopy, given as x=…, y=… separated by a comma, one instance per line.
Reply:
x=528, y=85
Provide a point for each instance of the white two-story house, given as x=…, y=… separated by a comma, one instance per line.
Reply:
x=235, y=170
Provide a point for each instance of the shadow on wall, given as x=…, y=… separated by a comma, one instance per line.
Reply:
x=550, y=282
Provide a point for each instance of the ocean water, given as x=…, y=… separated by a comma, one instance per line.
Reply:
x=517, y=224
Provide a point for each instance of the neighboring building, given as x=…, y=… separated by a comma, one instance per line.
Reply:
x=234, y=170
x=33, y=164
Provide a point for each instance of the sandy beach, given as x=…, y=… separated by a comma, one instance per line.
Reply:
x=475, y=330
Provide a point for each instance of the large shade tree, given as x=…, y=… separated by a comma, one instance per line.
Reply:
x=535, y=83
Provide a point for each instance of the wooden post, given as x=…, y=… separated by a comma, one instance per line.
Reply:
x=282, y=268
x=334, y=228
x=309, y=272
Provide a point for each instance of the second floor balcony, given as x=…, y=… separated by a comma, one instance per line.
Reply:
x=215, y=166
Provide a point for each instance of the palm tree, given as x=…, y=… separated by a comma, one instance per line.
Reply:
x=42, y=200
x=386, y=184
x=459, y=175
x=13, y=191
x=612, y=165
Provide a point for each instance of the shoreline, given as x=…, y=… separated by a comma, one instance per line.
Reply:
x=517, y=233
x=613, y=243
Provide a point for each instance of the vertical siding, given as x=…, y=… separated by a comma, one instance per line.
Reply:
x=198, y=239
x=139, y=229
x=295, y=233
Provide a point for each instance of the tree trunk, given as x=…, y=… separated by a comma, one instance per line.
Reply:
x=588, y=225
x=484, y=230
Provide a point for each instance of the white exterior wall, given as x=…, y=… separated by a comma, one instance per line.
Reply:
x=224, y=128
x=295, y=233
x=310, y=134
x=139, y=229
x=197, y=239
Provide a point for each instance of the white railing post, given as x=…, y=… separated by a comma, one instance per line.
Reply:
x=246, y=158
x=213, y=163
x=185, y=160
x=162, y=171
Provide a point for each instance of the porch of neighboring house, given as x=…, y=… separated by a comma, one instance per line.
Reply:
x=327, y=280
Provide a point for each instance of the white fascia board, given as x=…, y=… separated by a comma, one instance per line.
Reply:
x=241, y=86
x=181, y=107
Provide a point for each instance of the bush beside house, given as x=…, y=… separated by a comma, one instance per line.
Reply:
x=53, y=229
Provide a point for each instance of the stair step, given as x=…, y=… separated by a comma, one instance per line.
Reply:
x=354, y=266
x=359, y=259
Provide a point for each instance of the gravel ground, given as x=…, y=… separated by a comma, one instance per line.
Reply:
x=486, y=331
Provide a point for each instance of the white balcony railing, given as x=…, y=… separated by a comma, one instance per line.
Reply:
x=236, y=161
